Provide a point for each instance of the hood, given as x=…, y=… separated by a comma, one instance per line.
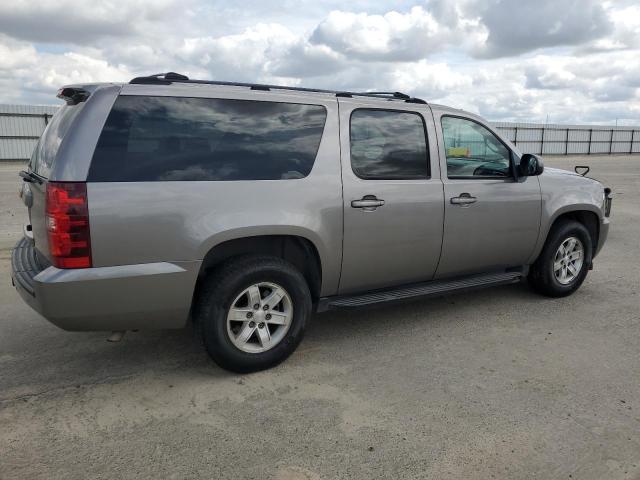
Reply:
x=567, y=175
x=559, y=171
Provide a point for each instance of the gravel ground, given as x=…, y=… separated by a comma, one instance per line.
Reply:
x=499, y=383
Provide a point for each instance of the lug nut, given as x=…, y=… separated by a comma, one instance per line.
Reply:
x=268, y=316
x=256, y=306
x=249, y=314
x=261, y=325
x=252, y=324
x=266, y=307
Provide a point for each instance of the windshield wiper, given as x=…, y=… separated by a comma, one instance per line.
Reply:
x=30, y=177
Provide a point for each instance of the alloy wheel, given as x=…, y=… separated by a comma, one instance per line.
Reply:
x=259, y=317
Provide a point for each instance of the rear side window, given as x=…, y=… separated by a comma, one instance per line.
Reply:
x=388, y=145
x=47, y=148
x=176, y=138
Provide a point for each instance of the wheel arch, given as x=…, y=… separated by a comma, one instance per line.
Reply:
x=586, y=215
x=298, y=250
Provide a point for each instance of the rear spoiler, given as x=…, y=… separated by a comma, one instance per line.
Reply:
x=73, y=95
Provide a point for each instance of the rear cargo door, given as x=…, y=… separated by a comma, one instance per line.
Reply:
x=41, y=164
x=393, y=196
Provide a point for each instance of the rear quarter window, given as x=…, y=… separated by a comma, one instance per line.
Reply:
x=46, y=150
x=176, y=138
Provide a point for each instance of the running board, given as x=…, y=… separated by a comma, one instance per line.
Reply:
x=424, y=289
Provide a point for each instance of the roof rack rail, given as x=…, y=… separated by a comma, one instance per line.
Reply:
x=386, y=95
x=161, y=78
x=173, y=77
x=401, y=95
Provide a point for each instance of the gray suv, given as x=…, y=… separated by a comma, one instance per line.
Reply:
x=247, y=207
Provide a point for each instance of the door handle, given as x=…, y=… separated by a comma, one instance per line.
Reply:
x=368, y=203
x=463, y=199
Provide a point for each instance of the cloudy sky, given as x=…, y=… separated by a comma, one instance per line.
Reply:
x=576, y=61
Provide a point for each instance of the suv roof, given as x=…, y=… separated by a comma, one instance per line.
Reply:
x=172, y=77
x=168, y=78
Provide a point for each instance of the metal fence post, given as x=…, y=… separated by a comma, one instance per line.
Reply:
x=611, y=141
x=542, y=142
x=590, y=134
x=515, y=139
x=566, y=142
x=633, y=134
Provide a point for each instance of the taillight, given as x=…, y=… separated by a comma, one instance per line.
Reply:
x=68, y=224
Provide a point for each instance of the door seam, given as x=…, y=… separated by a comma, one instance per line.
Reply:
x=443, y=203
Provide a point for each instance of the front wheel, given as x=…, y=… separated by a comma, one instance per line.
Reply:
x=564, y=261
x=252, y=312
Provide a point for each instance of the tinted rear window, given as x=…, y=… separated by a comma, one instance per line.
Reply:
x=176, y=138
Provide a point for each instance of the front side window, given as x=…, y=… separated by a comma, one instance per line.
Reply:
x=473, y=151
x=180, y=138
x=388, y=145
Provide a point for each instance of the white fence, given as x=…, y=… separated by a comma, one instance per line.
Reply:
x=553, y=139
x=20, y=128
x=22, y=125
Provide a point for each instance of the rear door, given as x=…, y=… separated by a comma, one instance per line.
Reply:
x=393, y=200
x=492, y=218
x=41, y=163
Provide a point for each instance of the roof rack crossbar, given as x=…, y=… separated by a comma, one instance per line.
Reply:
x=171, y=77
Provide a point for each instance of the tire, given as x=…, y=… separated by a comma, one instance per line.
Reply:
x=236, y=335
x=551, y=282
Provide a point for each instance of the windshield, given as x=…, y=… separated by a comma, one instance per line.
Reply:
x=45, y=152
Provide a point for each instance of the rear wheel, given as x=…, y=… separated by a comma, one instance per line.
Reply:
x=252, y=312
x=564, y=261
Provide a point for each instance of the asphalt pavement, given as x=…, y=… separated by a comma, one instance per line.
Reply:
x=498, y=383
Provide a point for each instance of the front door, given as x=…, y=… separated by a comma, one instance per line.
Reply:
x=393, y=203
x=492, y=218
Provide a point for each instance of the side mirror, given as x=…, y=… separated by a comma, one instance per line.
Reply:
x=530, y=165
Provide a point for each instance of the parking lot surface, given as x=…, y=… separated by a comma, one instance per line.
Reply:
x=497, y=383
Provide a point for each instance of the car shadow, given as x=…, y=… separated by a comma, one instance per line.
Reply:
x=49, y=356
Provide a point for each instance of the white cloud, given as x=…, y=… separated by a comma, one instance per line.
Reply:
x=241, y=55
x=432, y=79
x=516, y=27
x=70, y=21
x=304, y=59
x=28, y=73
x=626, y=22
x=15, y=54
x=576, y=60
x=393, y=36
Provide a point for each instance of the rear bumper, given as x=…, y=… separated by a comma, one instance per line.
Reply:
x=24, y=267
x=125, y=297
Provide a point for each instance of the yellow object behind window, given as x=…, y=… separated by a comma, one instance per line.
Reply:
x=458, y=152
